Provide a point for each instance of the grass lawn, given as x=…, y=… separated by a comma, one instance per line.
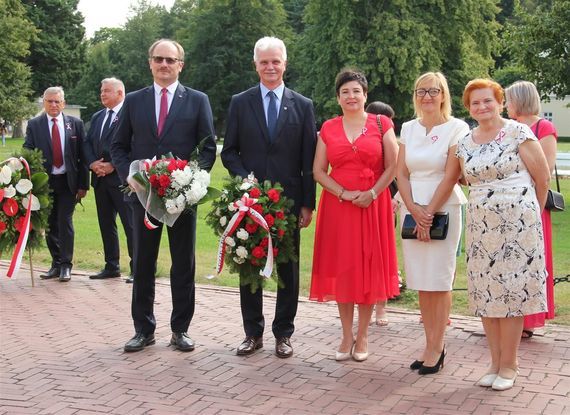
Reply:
x=89, y=251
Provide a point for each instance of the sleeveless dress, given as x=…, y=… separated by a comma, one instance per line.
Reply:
x=430, y=266
x=545, y=128
x=506, y=271
x=354, y=259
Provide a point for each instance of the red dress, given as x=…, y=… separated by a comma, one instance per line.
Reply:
x=354, y=259
x=545, y=128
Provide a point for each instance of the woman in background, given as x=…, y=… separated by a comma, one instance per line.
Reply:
x=523, y=105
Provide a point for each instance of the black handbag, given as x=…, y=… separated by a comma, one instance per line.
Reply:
x=438, y=230
x=554, y=199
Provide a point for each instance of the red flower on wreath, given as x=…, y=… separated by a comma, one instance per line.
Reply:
x=264, y=242
x=257, y=208
x=280, y=233
x=273, y=195
x=1, y=194
x=275, y=252
x=10, y=207
x=251, y=227
x=2, y=227
x=258, y=252
x=269, y=219
x=255, y=193
x=279, y=214
x=19, y=224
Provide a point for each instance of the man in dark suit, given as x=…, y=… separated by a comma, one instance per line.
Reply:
x=105, y=180
x=61, y=138
x=165, y=117
x=271, y=132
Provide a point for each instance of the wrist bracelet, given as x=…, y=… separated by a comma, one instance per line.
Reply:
x=340, y=194
x=374, y=194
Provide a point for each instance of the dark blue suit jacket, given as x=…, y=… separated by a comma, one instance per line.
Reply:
x=100, y=147
x=189, y=122
x=38, y=136
x=288, y=159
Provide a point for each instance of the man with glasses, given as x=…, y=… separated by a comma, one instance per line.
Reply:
x=104, y=178
x=163, y=118
x=60, y=138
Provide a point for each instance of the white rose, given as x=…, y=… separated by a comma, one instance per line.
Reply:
x=245, y=186
x=228, y=249
x=230, y=241
x=24, y=186
x=9, y=191
x=223, y=221
x=35, y=202
x=181, y=178
x=242, y=234
x=193, y=196
x=231, y=207
x=5, y=175
x=15, y=164
x=241, y=252
x=202, y=177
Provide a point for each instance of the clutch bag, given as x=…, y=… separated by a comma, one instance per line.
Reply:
x=554, y=201
x=438, y=230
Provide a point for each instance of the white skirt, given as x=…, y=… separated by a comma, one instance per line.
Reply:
x=430, y=266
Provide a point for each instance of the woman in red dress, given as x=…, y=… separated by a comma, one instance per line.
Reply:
x=523, y=105
x=354, y=259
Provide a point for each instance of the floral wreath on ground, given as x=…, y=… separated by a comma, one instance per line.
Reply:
x=16, y=187
x=255, y=227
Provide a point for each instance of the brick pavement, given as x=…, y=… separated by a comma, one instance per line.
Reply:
x=61, y=353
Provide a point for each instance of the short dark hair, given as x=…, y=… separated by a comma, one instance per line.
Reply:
x=379, y=107
x=349, y=75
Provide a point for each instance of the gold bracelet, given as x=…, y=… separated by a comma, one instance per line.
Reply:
x=340, y=194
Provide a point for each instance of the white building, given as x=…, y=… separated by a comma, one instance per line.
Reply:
x=558, y=111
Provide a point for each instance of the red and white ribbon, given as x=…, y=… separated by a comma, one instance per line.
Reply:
x=24, y=231
x=244, y=208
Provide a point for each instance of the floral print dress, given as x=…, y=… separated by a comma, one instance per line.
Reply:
x=506, y=272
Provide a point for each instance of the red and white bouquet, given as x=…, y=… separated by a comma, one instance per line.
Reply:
x=168, y=186
x=255, y=226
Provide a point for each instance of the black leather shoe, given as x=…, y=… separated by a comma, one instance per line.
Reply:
x=428, y=370
x=249, y=345
x=105, y=274
x=139, y=342
x=129, y=279
x=182, y=342
x=65, y=274
x=52, y=273
x=283, y=347
x=416, y=364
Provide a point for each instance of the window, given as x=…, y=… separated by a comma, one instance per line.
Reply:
x=547, y=116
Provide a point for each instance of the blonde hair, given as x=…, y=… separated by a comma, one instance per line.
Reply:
x=524, y=98
x=441, y=82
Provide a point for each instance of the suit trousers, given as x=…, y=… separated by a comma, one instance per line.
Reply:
x=110, y=201
x=146, y=242
x=60, y=236
x=285, y=308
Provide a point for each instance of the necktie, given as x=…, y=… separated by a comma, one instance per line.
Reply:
x=56, y=144
x=163, y=110
x=272, y=114
x=107, y=123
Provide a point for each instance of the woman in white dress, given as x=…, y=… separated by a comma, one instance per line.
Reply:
x=427, y=173
x=508, y=179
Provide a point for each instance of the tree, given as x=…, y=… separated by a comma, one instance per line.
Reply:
x=219, y=37
x=393, y=44
x=539, y=41
x=58, y=53
x=15, y=86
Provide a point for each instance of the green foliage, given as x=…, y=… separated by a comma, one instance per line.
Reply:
x=219, y=36
x=510, y=74
x=539, y=42
x=58, y=54
x=393, y=43
x=15, y=85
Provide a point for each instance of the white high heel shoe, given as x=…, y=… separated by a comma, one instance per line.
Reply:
x=487, y=380
x=502, y=384
x=340, y=356
x=359, y=356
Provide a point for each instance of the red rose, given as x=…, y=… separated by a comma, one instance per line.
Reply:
x=153, y=179
x=19, y=224
x=172, y=165
x=280, y=215
x=2, y=227
x=269, y=219
x=10, y=207
x=251, y=227
x=161, y=191
x=258, y=252
x=257, y=208
x=181, y=164
x=264, y=242
x=273, y=195
x=275, y=252
x=255, y=193
x=164, y=180
x=280, y=233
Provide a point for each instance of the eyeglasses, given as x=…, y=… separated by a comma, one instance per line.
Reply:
x=160, y=59
x=433, y=92
x=53, y=101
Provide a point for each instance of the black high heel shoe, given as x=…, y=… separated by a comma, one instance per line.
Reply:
x=416, y=364
x=427, y=370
